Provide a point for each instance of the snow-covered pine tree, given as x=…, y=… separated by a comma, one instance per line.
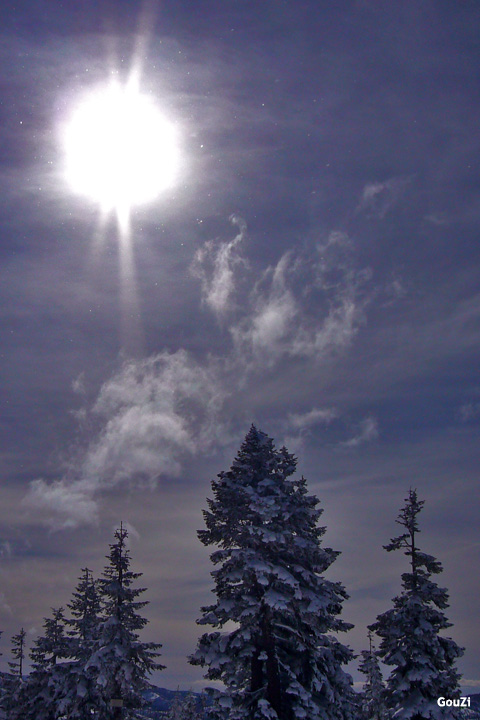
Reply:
x=13, y=690
x=18, y=653
x=185, y=707
x=373, y=695
x=423, y=661
x=120, y=661
x=85, y=610
x=281, y=660
x=80, y=692
x=38, y=696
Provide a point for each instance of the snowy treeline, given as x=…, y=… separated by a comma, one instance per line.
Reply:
x=275, y=623
x=283, y=660
x=88, y=664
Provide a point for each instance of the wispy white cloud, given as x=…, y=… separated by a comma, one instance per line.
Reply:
x=154, y=411
x=132, y=531
x=469, y=411
x=62, y=504
x=78, y=384
x=214, y=264
x=437, y=218
x=315, y=416
x=309, y=304
x=475, y=683
x=152, y=414
x=5, y=549
x=4, y=606
x=367, y=431
x=379, y=197
x=271, y=317
x=299, y=426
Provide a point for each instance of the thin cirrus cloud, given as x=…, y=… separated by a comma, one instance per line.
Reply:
x=152, y=414
x=299, y=426
x=315, y=416
x=155, y=413
x=469, y=411
x=310, y=304
x=215, y=264
x=379, y=197
x=367, y=431
x=266, y=331
x=63, y=504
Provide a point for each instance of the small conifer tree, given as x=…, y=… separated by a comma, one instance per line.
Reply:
x=120, y=661
x=85, y=610
x=45, y=685
x=80, y=693
x=185, y=707
x=12, y=699
x=36, y=698
x=423, y=661
x=18, y=653
x=373, y=696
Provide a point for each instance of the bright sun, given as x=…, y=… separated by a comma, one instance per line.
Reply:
x=120, y=150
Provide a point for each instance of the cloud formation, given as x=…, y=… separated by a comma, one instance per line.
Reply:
x=310, y=304
x=366, y=432
x=155, y=414
x=315, y=416
x=63, y=504
x=299, y=426
x=469, y=411
x=152, y=414
x=5, y=549
x=379, y=197
x=215, y=264
x=4, y=606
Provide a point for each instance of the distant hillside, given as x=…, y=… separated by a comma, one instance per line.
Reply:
x=160, y=700
x=473, y=713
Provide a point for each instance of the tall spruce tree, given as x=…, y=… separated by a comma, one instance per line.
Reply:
x=120, y=661
x=281, y=660
x=373, y=695
x=423, y=661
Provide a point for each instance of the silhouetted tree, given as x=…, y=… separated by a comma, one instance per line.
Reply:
x=18, y=653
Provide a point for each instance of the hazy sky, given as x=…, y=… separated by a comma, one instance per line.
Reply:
x=314, y=269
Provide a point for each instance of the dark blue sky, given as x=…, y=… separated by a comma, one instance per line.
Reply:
x=315, y=269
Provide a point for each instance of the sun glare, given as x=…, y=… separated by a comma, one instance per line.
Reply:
x=120, y=151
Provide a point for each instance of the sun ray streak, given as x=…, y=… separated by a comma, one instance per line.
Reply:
x=120, y=151
x=130, y=317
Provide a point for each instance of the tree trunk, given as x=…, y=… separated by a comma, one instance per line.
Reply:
x=256, y=678
x=274, y=690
